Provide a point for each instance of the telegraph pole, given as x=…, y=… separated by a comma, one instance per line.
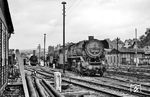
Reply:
x=117, y=50
x=63, y=35
x=136, y=46
x=39, y=53
x=44, y=47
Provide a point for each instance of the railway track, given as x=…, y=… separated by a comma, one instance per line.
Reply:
x=114, y=78
x=100, y=87
x=102, y=90
x=40, y=88
x=133, y=69
x=127, y=81
x=124, y=84
x=121, y=90
x=137, y=75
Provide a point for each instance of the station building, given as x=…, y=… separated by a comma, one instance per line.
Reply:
x=6, y=29
x=124, y=56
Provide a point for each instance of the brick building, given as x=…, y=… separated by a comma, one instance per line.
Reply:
x=6, y=29
x=126, y=56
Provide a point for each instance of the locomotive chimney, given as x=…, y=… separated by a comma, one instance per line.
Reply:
x=33, y=52
x=91, y=37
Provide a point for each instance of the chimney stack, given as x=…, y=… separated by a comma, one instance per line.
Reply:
x=33, y=52
x=91, y=37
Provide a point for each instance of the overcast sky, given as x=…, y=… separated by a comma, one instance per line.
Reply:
x=100, y=18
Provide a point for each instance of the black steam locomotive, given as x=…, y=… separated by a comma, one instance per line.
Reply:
x=33, y=59
x=85, y=57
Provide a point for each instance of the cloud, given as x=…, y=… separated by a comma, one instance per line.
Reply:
x=101, y=18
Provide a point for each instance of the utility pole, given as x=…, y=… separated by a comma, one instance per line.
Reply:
x=136, y=46
x=39, y=53
x=44, y=48
x=117, y=50
x=63, y=35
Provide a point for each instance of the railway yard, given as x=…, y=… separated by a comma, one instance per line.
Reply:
x=81, y=67
x=108, y=85
x=41, y=84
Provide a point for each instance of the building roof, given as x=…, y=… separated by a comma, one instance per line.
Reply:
x=113, y=44
x=5, y=9
x=125, y=50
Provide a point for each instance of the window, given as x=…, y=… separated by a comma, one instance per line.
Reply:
x=114, y=59
x=123, y=60
x=3, y=54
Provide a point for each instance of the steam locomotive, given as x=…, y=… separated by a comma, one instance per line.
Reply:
x=85, y=57
x=33, y=59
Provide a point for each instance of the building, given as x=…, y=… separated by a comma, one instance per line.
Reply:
x=128, y=43
x=124, y=56
x=113, y=44
x=51, y=50
x=6, y=29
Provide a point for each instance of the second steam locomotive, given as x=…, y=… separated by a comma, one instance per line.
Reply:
x=85, y=57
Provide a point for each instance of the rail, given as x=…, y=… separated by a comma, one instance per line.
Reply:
x=32, y=91
x=109, y=86
x=56, y=93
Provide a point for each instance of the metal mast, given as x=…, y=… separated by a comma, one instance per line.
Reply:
x=39, y=52
x=136, y=46
x=117, y=50
x=63, y=36
x=44, y=48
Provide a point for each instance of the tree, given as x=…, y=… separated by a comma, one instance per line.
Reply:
x=144, y=40
x=119, y=41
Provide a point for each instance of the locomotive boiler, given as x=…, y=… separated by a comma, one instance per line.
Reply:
x=86, y=57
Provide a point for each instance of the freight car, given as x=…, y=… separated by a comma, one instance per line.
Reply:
x=85, y=57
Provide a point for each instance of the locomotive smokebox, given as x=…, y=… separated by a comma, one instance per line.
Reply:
x=91, y=37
